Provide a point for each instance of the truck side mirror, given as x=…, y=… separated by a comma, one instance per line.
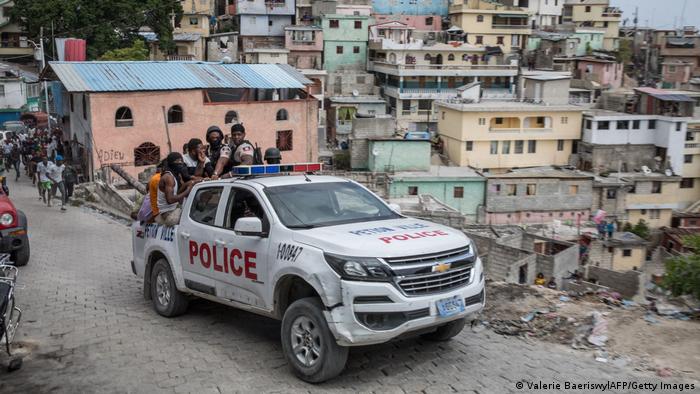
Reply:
x=249, y=226
x=396, y=208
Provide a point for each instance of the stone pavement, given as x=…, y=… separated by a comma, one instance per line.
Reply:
x=90, y=330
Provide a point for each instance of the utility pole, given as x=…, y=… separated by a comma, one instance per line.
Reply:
x=43, y=66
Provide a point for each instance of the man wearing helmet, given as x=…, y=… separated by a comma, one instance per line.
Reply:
x=239, y=152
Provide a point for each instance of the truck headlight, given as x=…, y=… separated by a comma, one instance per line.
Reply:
x=6, y=219
x=359, y=268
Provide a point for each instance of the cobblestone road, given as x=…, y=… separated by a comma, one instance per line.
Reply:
x=90, y=330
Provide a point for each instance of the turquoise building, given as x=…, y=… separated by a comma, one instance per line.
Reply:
x=345, y=42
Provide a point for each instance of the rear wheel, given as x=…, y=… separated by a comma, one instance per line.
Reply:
x=21, y=256
x=168, y=301
x=309, y=345
x=446, y=331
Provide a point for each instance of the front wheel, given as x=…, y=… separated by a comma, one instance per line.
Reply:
x=446, y=331
x=21, y=256
x=309, y=345
x=168, y=301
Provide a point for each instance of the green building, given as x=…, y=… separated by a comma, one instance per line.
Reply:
x=345, y=42
x=459, y=187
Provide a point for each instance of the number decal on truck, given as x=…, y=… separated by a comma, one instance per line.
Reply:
x=288, y=252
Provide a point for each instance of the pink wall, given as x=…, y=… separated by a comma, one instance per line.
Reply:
x=681, y=74
x=315, y=45
x=116, y=144
x=537, y=217
x=603, y=73
x=415, y=21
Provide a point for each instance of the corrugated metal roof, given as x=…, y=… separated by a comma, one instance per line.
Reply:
x=145, y=76
x=663, y=95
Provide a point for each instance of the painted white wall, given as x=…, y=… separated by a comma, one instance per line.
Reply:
x=14, y=95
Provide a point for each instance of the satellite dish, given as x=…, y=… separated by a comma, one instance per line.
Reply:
x=669, y=172
x=646, y=170
x=226, y=60
x=355, y=93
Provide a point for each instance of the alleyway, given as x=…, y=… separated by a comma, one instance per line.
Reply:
x=89, y=329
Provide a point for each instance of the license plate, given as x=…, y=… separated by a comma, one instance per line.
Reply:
x=450, y=306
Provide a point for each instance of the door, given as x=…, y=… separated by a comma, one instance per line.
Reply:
x=246, y=255
x=522, y=274
x=200, y=247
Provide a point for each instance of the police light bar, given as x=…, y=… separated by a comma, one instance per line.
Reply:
x=263, y=169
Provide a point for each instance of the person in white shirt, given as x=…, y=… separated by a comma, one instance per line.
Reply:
x=56, y=174
x=44, y=170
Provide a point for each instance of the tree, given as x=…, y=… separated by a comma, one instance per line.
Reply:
x=105, y=25
x=138, y=51
x=683, y=272
x=624, y=54
x=641, y=229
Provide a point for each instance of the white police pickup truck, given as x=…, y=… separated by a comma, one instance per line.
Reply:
x=323, y=254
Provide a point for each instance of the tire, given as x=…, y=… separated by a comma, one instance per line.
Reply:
x=167, y=300
x=21, y=256
x=304, y=321
x=446, y=331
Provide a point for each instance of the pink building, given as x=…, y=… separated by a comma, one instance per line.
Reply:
x=305, y=45
x=133, y=113
x=676, y=73
x=607, y=73
x=418, y=22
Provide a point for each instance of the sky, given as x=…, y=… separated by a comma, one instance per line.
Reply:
x=660, y=14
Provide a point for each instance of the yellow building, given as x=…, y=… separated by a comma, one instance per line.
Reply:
x=492, y=24
x=14, y=41
x=655, y=196
x=190, y=33
x=595, y=14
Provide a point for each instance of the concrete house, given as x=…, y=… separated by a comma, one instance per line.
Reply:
x=682, y=46
x=305, y=46
x=151, y=108
x=262, y=22
x=595, y=14
x=344, y=42
x=14, y=42
x=424, y=7
x=607, y=74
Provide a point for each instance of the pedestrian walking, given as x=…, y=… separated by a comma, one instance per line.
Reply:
x=16, y=159
x=56, y=176
x=70, y=178
x=43, y=170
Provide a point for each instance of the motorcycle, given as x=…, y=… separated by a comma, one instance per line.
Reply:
x=10, y=314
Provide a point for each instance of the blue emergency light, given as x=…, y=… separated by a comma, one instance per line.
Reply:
x=263, y=169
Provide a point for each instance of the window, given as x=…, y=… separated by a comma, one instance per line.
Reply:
x=511, y=190
x=482, y=121
x=687, y=159
x=470, y=146
x=360, y=80
x=623, y=124
x=334, y=24
x=175, y=114
x=689, y=136
x=573, y=190
x=499, y=40
x=626, y=252
x=564, y=120
x=656, y=187
x=442, y=116
x=519, y=146
x=427, y=57
x=355, y=49
x=479, y=39
x=205, y=205
x=687, y=183
x=588, y=124
x=458, y=192
x=479, y=18
x=494, y=147
x=123, y=117
x=85, y=110
x=499, y=121
x=451, y=57
x=194, y=21
x=506, y=148
x=413, y=190
x=72, y=108
x=652, y=124
x=231, y=117
x=146, y=154
x=560, y=145
x=282, y=114
x=611, y=194
x=532, y=146
x=603, y=125
x=269, y=22
x=429, y=21
x=679, y=126
x=654, y=214
x=358, y=25
x=588, y=8
x=672, y=69
x=339, y=50
x=531, y=189
x=515, y=40
x=284, y=140
x=635, y=124
x=243, y=203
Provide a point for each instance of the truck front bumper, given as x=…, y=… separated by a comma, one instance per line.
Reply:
x=12, y=239
x=393, y=312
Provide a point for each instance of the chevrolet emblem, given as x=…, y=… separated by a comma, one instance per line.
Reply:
x=443, y=267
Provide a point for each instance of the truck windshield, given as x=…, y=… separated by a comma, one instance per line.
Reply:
x=326, y=204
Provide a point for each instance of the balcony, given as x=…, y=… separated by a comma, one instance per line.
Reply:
x=421, y=115
x=612, y=12
x=508, y=26
x=419, y=93
x=464, y=70
x=180, y=57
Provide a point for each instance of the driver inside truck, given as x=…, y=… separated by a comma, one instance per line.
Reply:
x=245, y=205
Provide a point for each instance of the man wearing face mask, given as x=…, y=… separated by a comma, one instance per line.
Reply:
x=215, y=139
x=239, y=152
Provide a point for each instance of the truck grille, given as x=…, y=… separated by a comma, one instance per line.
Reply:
x=435, y=282
x=428, y=258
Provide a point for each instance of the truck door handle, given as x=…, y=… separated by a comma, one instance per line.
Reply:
x=220, y=242
x=185, y=235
